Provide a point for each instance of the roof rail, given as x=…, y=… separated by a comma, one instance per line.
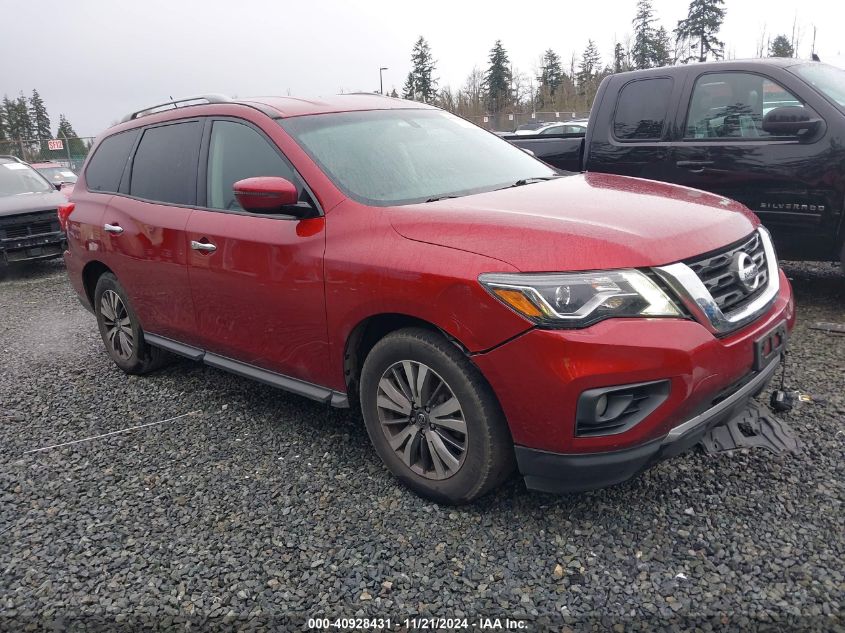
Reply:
x=202, y=99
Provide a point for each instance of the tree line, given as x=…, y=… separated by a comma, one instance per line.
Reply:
x=26, y=127
x=559, y=86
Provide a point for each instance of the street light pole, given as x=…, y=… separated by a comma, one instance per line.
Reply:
x=380, y=81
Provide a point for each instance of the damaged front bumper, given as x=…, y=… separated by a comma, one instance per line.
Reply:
x=560, y=473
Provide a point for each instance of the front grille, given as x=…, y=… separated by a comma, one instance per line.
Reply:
x=715, y=272
x=29, y=224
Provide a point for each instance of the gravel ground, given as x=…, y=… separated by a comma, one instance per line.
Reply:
x=261, y=509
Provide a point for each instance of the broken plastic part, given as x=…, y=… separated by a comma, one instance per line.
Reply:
x=752, y=428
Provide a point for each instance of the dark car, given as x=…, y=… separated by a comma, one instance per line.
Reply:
x=769, y=133
x=383, y=254
x=29, y=215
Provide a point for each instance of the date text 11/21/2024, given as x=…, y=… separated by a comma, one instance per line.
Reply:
x=417, y=624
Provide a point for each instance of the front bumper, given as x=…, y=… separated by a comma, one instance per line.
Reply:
x=561, y=473
x=32, y=248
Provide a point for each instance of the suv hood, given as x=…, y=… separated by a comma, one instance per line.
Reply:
x=581, y=222
x=28, y=202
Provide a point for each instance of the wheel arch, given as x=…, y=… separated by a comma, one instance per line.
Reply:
x=370, y=331
x=91, y=273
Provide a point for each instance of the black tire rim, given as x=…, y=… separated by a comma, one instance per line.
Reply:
x=422, y=420
x=118, y=326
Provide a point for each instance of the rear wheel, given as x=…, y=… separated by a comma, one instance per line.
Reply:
x=121, y=331
x=433, y=419
x=842, y=258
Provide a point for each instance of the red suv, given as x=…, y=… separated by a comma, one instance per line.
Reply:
x=483, y=310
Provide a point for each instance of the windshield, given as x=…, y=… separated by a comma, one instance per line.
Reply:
x=828, y=80
x=17, y=179
x=57, y=174
x=392, y=157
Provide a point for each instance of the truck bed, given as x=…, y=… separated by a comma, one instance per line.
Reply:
x=561, y=151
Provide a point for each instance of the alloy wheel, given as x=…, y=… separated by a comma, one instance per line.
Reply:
x=118, y=324
x=422, y=419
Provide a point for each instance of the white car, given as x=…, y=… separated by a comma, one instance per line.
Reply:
x=578, y=126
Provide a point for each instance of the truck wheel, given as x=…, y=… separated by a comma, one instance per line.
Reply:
x=842, y=258
x=433, y=419
x=121, y=331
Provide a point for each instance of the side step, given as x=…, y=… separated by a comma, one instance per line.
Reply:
x=751, y=428
x=286, y=383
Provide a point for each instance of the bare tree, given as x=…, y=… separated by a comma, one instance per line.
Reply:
x=473, y=92
x=762, y=43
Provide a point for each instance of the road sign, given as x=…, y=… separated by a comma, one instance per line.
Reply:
x=55, y=144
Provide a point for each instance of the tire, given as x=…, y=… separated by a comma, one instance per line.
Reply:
x=842, y=259
x=124, y=342
x=429, y=452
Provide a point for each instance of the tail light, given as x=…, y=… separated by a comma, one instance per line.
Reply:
x=64, y=214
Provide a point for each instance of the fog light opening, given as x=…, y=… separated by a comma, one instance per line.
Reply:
x=601, y=407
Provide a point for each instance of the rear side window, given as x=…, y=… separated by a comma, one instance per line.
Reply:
x=641, y=110
x=165, y=165
x=106, y=166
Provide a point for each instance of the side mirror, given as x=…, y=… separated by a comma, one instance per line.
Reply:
x=270, y=194
x=791, y=121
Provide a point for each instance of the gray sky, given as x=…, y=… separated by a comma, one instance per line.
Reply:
x=96, y=60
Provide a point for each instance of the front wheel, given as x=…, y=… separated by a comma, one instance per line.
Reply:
x=433, y=419
x=842, y=258
x=121, y=330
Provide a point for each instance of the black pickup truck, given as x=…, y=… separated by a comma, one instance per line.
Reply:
x=769, y=133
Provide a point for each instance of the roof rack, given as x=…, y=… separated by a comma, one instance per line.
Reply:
x=202, y=99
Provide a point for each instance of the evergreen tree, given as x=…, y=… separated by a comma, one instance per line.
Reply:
x=40, y=120
x=393, y=94
x=17, y=122
x=551, y=75
x=643, y=48
x=425, y=84
x=662, y=49
x=7, y=116
x=25, y=124
x=3, y=126
x=408, y=88
x=618, y=57
x=781, y=47
x=66, y=131
x=497, y=79
x=700, y=27
x=589, y=67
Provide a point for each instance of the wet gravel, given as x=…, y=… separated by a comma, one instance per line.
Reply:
x=261, y=509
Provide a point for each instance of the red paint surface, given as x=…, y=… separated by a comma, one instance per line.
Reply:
x=285, y=294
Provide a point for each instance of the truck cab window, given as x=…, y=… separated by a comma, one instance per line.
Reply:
x=732, y=105
x=641, y=109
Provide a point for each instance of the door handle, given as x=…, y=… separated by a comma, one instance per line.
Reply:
x=696, y=166
x=205, y=247
x=113, y=228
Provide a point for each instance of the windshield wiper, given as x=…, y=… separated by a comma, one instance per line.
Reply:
x=518, y=183
x=529, y=181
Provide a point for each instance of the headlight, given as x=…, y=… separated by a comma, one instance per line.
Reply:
x=580, y=299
